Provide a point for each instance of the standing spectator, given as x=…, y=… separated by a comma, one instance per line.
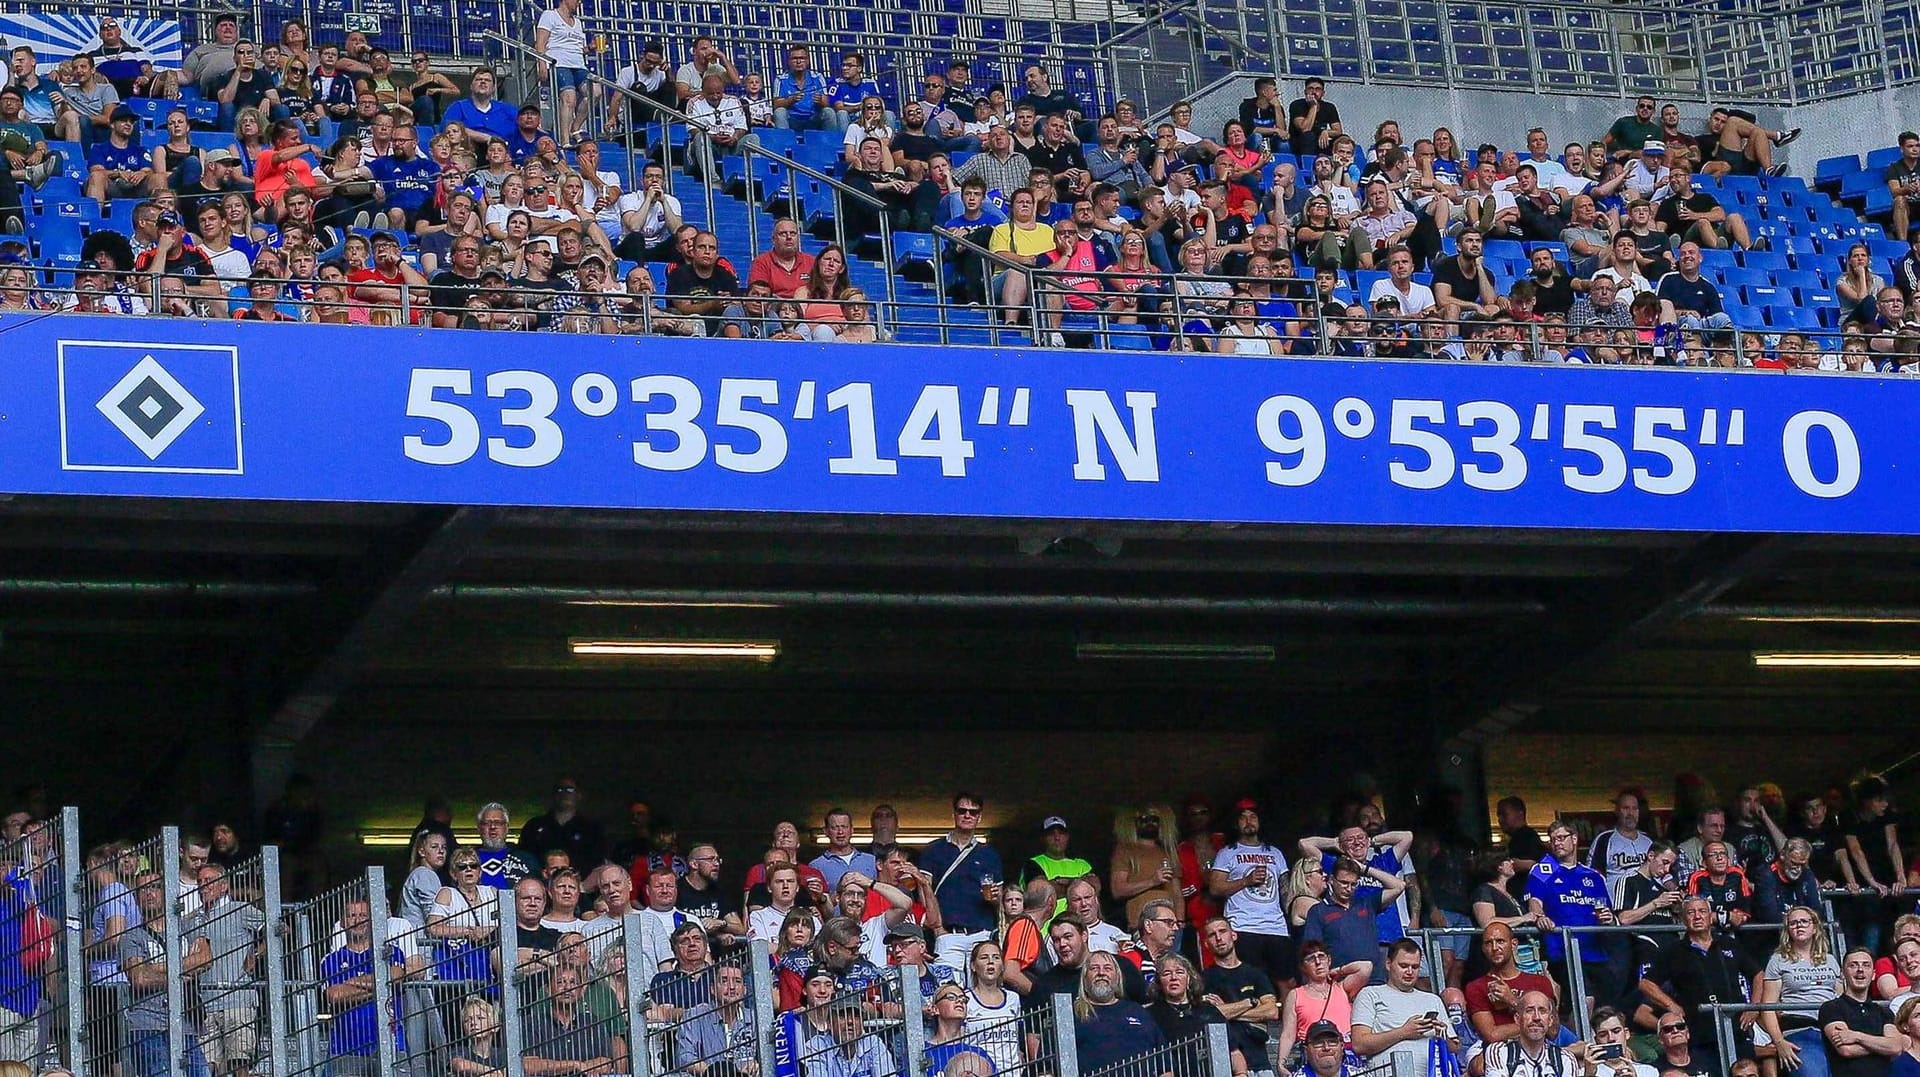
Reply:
x=560, y=40
x=1533, y=1052
x=1700, y=967
x=847, y=97
x=1347, y=920
x=1247, y=876
x=1397, y=1019
x=563, y=827
x=1800, y=972
x=1563, y=892
x=967, y=879
x=839, y=856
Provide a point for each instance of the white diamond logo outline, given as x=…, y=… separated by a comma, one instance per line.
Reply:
x=114, y=406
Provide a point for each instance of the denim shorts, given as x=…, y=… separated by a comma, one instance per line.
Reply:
x=570, y=78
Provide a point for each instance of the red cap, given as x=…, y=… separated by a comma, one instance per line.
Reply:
x=1246, y=804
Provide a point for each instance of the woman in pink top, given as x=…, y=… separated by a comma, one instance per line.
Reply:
x=1318, y=998
x=826, y=286
x=276, y=169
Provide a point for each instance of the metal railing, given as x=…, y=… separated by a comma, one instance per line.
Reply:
x=780, y=165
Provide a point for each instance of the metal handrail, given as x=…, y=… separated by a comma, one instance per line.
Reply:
x=842, y=191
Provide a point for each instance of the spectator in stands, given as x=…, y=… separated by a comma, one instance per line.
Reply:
x=1860, y=1033
x=1048, y=100
x=1113, y=162
x=701, y=286
x=571, y=1032
x=1647, y=174
x=1561, y=891
x=1386, y=223
x=118, y=166
x=1800, y=972
x=646, y=85
x=1622, y=266
x=1414, y=299
x=406, y=181
x=1347, y=919
x=1533, y=1053
x=1742, y=147
x=1319, y=240
x=1462, y=283
x=1262, y=116
x=800, y=100
x=1312, y=120
x=87, y=98
x=1858, y=284
x=717, y=1038
x=1693, y=299
x=560, y=41
x=281, y=166
x=354, y=1031
x=482, y=115
x=850, y=91
x=24, y=143
x=1397, y=1019
x=690, y=79
x=720, y=127
x=999, y=167
x=1700, y=967
x=1107, y=1026
x=1686, y=213
x=1629, y=134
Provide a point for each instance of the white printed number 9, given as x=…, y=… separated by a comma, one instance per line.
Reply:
x=1310, y=445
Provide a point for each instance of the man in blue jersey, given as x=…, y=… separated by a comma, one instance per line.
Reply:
x=501, y=864
x=406, y=178
x=1563, y=892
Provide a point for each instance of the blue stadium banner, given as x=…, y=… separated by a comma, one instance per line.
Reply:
x=158, y=408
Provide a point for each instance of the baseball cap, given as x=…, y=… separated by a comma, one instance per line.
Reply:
x=1654, y=145
x=88, y=266
x=220, y=157
x=387, y=237
x=820, y=971
x=907, y=929
x=1053, y=822
x=1323, y=1030
x=168, y=219
x=1246, y=804
x=226, y=16
x=122, y=113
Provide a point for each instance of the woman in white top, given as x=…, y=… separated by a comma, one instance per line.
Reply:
x=1245, y=333
x=563, y=907
x=870, y=123
x=561, y=41
x=462, y=921
x=993, y=1012
x=513, y=195
x=424, y=880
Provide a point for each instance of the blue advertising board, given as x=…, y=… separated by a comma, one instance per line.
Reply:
x=165, y=408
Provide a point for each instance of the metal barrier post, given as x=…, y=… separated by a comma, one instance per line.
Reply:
x=1723, y=1029
x=1430, y=957
x=73, y=963
x=1219, y=1062
x=760, y=986
x=384, y=1012
x=913, y=1021
x=279, y=1038
x=1066, y=1055
x=1577, y=981
x=639, y=1052
x=169, y=868
x=512, y=1038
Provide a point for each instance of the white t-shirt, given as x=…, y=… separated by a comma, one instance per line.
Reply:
x=857, y=134
x=764, y=923
x=1105, y=938
x=230, y=265
x=1256, y=908
x=994, y=1030
x=1504, y=1061
x=594, y=186
x=724, y=117
x=566, y=41
x=653, y=227
x=1382, y=1007
x=1418, y=298
x=1255, y=341
x=1629, y=286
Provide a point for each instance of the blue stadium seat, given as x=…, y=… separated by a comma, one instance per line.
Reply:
x=1878, y=160
x=1797, y=279
x=1831, y=170
x=1718, y=256
x=1765, y=295
x=1858, y=184
x=1737, y=277
x=1792, y=317
x=1771, y=261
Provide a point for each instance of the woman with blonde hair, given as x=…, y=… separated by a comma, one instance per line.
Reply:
x=464, y=914
x=479, y=1052
x=426, y=875
x=1306, y=884
x=1144, y=863
x=1024, y=936
x=1801, y=971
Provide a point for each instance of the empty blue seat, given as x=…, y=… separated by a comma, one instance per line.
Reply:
x=1771, y=261
x=1798, y=279
x=1878, y=160
x=1859, y=184
x=1831, y=170
x=1765, y=295
x=1747, y=184
x=1717, y=256
x=1737, y=277
x=1886, y=250
x=1794, y=318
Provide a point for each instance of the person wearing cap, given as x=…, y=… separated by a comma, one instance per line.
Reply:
x=645, y=84
x=379, y=285
x=24, y=145
x=909, y=949
x=1247, y=876
x=1647, y=172
x=93, y=293
x=220, y=176
x=118, y=166
x=1326, y=1051
x=1053, y=863
x=177, y=256
x=263, y=294
x=805, y=1021
x=210, y=62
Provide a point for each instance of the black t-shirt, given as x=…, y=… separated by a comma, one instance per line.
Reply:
x=1640, y=890
x=1730, y=893
x=917, y=147
x=1698, y=295
x=1872, y=836
x=251, y=91
x=1869, y=1017
x=1055, y=102
x=713, y=903
x=1466, y=289
x=1307, y=143
x=448, y=291
x=1232, y=228
x=685, y=282
x=1669, y=212
x=1055, y=159
x=1827, y=841
x=1253, y=114
x=1653, y=245
x=1750, y=841
x=542, y=939
x=1553, y=297
x=185, y=262
x=1242, y=983
x=1898, y=172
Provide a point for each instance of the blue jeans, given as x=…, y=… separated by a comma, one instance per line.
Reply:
x=150, y=1056
x=1813, y=1053
x=821, y=120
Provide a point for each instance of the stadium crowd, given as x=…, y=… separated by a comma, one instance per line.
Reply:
x=355, y=192
x=1316, y=953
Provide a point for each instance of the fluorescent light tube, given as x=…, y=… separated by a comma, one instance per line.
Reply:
x=1835, y=660
x=757, y=650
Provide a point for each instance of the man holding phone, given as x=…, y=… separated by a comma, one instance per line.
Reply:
x=1248, y=875
x=1397, y=1019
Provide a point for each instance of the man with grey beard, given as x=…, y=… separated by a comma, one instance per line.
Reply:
x=1107, y=1027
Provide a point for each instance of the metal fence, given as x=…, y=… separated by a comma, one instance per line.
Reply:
x=136, y=1008
x=341, y=966
x=227, y=1003
x=42, y=873
x=1198, y=1055
x=724, y=1033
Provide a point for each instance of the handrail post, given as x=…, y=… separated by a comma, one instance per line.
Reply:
x=940, y=296
x=176, y=980
x=1066, y=1053
x=639, y=1051
x=279, y=1037
x=385, y=1014
x=512, y=1034
x=1723, y=1035
x=762, y=995
x=73, y=905
x=1577, y=981
x=1219, y=1060
x=913, y=1024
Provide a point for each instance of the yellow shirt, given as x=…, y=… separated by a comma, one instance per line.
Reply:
x=1026, y=242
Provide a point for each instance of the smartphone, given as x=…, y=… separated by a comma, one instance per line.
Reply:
x=1611, y=1051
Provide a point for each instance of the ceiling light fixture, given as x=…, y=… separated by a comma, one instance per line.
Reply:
x=1176, y=652
x=755, y=650
x=634, y=603
x=1828, y=619
x=1835, y=660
